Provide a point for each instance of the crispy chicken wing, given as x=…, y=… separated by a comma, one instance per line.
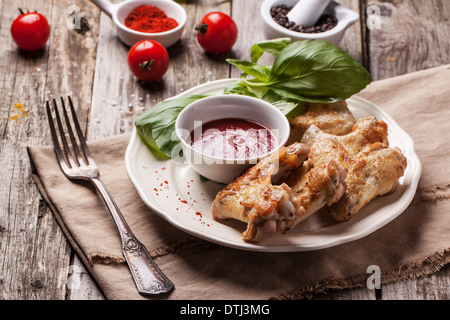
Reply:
x=268, y=205
x=314, y=186
x=363, y=133
x=334, y=118
x=375, y=172
x=373, y=168
x=255, y=198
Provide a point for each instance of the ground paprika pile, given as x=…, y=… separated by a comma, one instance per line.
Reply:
x=149, y=19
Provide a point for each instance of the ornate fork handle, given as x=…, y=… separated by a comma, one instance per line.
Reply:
x=76, y=162
x=149, y=279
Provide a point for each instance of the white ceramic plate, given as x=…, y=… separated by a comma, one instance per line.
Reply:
x=176, y=193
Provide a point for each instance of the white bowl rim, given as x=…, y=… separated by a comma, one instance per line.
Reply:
x=341, y=25
x=122, y=26
x=282, y=140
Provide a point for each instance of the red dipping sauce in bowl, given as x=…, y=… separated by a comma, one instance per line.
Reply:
x=223, y=135
x=233, y=138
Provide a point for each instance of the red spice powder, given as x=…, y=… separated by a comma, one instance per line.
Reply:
x=149, y=19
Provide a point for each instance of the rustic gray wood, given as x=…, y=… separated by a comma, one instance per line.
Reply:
x=36, y=260
x=412, y=35
x=35, y=254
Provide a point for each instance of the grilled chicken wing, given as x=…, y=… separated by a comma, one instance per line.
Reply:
x=375, y=172
x=270, y=206
x=373, y=168
x=363, y=133
x=314, y=186
x=255, y=198
x=334, y=118
x=232, y=201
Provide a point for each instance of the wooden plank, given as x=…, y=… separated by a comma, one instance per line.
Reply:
x=81, y=285
x=412, y=35
x=346, y=294
x=35, y=254
x=247, y=18
x=25, y=274
x=352, y=40
x=430, y=287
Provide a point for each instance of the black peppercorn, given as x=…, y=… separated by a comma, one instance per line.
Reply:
x=279, y=15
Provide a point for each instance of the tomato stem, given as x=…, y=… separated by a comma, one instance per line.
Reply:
x=201, y=28
x=146, y=65
x=21, y=11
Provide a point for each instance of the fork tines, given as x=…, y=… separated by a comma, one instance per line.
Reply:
x=75, y=154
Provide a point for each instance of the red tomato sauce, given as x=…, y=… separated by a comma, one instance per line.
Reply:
x=233, y=138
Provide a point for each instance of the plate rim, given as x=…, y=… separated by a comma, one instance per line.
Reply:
x=136, y=143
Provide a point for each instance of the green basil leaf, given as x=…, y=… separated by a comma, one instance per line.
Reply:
x=236, y=87
x=156, y=126
x=145, y=134
x=253, y=69
x=288, y=108
x=297, y=111
x=273, y=46
x=256, y=52
x=315, y=70
x=242, y=87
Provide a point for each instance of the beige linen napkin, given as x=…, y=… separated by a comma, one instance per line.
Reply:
x=414, y=244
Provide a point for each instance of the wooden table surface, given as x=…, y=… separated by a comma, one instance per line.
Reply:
x=36, y=261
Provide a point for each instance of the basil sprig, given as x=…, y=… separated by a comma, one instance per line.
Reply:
x=309, y=70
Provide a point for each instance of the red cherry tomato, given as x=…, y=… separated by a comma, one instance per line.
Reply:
x=216, y=32
x=30, y=31
x=148, y=60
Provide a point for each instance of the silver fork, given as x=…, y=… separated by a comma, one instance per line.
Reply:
x=76, y=162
